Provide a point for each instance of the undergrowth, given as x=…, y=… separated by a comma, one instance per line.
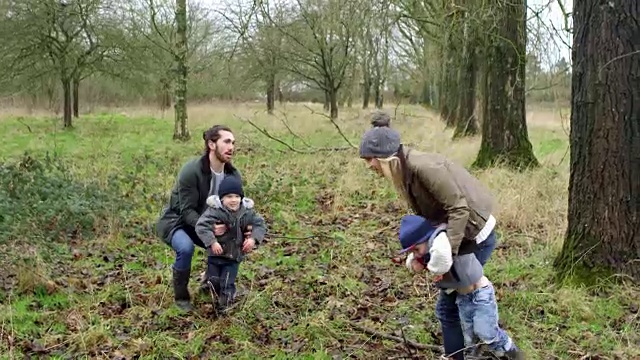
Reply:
x=84, y=274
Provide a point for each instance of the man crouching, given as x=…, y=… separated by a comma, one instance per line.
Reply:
x=227, y=251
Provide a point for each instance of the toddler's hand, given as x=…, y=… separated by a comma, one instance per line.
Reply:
x=216, y=248
x=248, y=245
x=413, y=264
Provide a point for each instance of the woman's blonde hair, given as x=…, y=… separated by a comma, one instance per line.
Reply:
x=392, y=170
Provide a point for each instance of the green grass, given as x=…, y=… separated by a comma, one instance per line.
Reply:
x=333, y=227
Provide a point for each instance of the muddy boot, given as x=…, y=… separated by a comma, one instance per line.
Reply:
x=181, y=290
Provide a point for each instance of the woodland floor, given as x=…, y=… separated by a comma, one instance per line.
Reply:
x=83, y=274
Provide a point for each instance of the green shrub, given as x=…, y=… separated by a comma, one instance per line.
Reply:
x=40, y=200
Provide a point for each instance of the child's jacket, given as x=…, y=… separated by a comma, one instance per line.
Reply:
x=233, y=238
x=465, y=269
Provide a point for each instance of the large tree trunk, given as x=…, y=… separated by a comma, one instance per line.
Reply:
x=603, y=232
x=505, y=139
x=181, y=131
x=67, y=112
x=76, y=94
x=327, y=100
x=466, y=122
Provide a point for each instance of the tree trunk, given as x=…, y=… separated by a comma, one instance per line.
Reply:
x=449, y=91
x=271, y=93
x=76, y=93
x=377, y=91
x=505, y=139
x=333, y=101
x=366, y=92
x=181, y=131
x=603, y=232
x=327, y=100
x=466, y=122
x=67, y=111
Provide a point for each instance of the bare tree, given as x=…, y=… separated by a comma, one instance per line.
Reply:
x=320, y=38
x=55, y=37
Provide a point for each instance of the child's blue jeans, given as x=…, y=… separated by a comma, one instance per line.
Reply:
x=479, y=320
x=222, y=275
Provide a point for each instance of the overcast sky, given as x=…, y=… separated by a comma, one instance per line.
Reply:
x=551, y=16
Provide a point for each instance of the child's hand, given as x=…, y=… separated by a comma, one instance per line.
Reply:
x=413, y=264
x=216, y=248
x=248, y=245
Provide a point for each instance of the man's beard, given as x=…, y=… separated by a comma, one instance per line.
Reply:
x=219, y=156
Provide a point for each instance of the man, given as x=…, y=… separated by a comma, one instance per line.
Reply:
x=198, y=179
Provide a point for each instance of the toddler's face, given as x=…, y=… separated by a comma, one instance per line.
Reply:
x=231, y=202
x=420, y=250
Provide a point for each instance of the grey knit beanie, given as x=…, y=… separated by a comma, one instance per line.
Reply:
x=379, y=142
x=380, y=118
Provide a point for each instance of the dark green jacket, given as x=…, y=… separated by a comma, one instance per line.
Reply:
x=188, y=197
x=237, y=222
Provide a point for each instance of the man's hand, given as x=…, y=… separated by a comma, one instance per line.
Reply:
x=219, y=229
x=216, y=248
x=247, y=233
x=248, y=245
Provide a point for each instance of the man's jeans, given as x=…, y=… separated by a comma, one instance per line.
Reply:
x=479, y=318
x=184, y=243
x=447, y=310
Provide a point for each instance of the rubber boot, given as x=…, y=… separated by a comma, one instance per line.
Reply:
x=181, y=289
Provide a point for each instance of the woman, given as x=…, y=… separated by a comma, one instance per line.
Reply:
x=440, y=191
x=198, y=179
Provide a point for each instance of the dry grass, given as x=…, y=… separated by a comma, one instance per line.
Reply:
x=303, y=293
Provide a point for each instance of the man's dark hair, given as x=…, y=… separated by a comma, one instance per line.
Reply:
x=380, y=119
x=213, y=134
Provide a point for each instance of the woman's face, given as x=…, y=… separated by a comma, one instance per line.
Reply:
x=374, y=165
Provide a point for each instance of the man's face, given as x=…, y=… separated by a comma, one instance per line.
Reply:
x=224, y=147
x=374, y=165
x=231, y=201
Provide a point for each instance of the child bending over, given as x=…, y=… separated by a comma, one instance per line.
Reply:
x=227, y=251
x=430, y=249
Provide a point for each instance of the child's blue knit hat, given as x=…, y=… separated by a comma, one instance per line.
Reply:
x=414, y=230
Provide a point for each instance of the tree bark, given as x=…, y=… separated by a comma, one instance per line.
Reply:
x=505, y=139
x=366, y=92
x=76, y=93
x=67, y=112
x=271, y=93
x=377, y=92
x=181, y=130
x=333, y=102
x=449, y=86
x=603, y=231
x=466, y=122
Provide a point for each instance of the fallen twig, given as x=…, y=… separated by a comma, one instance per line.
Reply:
x=413, y=344
x=334, y=124
x=290, y=147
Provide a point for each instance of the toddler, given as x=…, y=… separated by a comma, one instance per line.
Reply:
x=429, y=248
x=225, y=252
